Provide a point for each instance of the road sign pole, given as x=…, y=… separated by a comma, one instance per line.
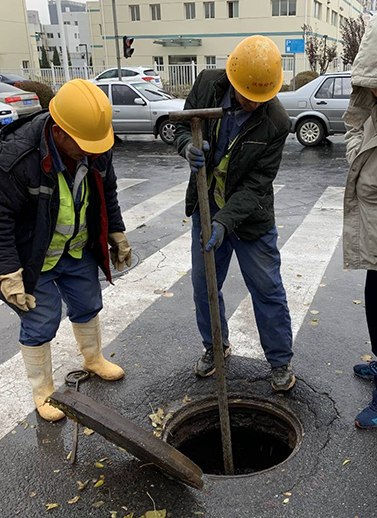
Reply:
x=294, y=73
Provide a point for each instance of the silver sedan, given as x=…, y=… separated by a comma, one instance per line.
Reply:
x=316, y=109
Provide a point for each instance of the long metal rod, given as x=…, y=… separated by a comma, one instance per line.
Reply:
x=213, y=299
x=116, y=40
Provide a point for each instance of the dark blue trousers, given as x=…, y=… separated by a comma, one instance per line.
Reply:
x=259, y=261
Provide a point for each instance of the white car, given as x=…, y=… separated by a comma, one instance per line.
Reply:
x=132, y=74
x=140, y=107
x=8, y=114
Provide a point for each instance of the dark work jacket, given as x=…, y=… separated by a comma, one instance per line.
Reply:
x=254, y=160
x=29, y=200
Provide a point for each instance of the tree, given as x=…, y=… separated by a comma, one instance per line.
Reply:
x=69, y=58
x=318, y=51
x=44, y=62
x=352, y=30
x=56, y=58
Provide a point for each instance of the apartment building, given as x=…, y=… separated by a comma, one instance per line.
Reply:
x=205, y=32
x=16, y=49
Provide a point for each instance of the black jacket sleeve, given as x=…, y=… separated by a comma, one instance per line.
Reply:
x=115, y=220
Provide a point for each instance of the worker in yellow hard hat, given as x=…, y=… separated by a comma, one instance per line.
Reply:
x=242, y=153
x=58, y=212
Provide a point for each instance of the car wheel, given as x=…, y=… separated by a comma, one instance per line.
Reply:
x=310, y=132
x=167, y=132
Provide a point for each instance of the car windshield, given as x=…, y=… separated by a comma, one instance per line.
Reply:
x=151, y=92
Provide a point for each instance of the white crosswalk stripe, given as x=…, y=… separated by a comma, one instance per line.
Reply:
x=141, y=287
x=304, y=257
x=127, y=183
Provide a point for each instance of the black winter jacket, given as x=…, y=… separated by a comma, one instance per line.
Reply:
x=254, y=160
x=29, y=200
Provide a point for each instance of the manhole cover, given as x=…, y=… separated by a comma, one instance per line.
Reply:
x=264, y=435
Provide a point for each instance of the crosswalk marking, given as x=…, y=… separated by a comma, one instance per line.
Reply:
x=127, y=183
x=305, y=257
x=143, y=212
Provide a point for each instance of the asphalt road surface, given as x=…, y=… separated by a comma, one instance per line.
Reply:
x=148, y=326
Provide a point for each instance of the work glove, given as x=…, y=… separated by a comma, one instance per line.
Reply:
x=12, y=287
x=120, y=250
x=195, y=157
x=218, y=233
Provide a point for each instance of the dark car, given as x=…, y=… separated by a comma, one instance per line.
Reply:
x=12, y=79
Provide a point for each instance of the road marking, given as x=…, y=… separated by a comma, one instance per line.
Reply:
x=305, y=257
x=143, y=212
x=127, y=183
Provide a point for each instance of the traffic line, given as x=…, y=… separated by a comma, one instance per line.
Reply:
x=304, y=258
x=143, y=212
x=127, y=183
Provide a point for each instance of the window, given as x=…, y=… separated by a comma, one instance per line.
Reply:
x=342, y=88
x=127, y=73
x=135, y=13
x=190, y=11
x=110, y=74
x=284, y=7
x=50, y=35
x=58, y=34
x=105, y=89
x=60, y=49
x=123, y=95
x=76, y=35
x=25, y=64
x=209, y=9
x=76, y=23
x=159, y=60
x=67, y=23
x=210, y=61
x=326, y=90
x=328, y=15
x=156, y=12
x=317, y=10
x=233, y=11
x=334, y=18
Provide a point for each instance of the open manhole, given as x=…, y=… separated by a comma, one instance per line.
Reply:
x=264, y=435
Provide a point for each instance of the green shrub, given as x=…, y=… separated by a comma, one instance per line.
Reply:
x=44, y=92
x=285, y=88
x=303, y=78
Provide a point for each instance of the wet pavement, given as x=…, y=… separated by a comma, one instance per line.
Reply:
x=330, y=475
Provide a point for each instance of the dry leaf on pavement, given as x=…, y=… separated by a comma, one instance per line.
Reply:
x=98, y=504
x=51, y=506
x=73, y=500
x=88, y=431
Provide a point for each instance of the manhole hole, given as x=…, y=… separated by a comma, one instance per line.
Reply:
x=264, y=435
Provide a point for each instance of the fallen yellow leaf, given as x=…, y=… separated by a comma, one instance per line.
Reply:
x=51, y=506
x=338, y=372
x=366, y=358
x=99, y=483
x=82, y=485
x=168, y=294
x=99, y=465
x=131, y=515
x=69, y=455
x=32, y=494
x=88, y=431
x=156, y=514
x=357, y=301
x=113, y=514
x=286, y=500
x=98, y=504
x=314, y=312
x=322, y=285
x=56, y=470
x=186, y=399
x=346, y=462
x=73, y=500
x=287, y=493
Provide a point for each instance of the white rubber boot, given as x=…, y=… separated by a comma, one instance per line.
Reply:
x=38, y=366
x=88, y=336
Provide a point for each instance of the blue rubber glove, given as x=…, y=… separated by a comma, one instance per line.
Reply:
x=195, y=157
x=218, y=233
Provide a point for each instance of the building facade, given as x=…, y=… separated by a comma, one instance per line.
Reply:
x=16, y=47
x=205, y=32
x=68, y=6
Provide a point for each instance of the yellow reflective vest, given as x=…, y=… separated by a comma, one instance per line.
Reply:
x=68, y=224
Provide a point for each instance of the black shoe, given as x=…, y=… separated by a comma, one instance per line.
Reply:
x=283, y=377
x=205, y=366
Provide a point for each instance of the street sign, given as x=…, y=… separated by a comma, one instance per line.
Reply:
x=295, y=46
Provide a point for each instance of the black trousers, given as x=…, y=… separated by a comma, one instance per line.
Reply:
x=371, y=307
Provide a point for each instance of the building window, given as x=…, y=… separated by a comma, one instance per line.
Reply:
x=135, y=13
x=60, y=49
x=58, y=34
x=209, y=9
x=67, y=23
x=156, y=12
x=190, y=11
x=50, y=35
x=159, y=62
x=76, y=35
x=334, y=18
x=233, y=10
x=25, y=64
x=284, y=7
x=76, y=23
x=210, y=61
x=317, y=10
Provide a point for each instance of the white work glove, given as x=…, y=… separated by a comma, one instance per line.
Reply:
x=120, y=251
x=12, y=287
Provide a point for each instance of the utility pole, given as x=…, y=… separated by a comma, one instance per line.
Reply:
x=117, y=50
x=64, y=45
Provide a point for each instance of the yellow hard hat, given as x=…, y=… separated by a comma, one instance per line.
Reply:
x=254, y=68
x=83, y=110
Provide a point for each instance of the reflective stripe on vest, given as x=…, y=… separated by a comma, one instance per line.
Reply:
x=66, y=223
x=220, y=172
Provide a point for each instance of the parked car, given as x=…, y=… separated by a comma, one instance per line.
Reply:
x=141, y=107
x=131, y=73
x=8, y=114
x=316, y=109
x=11, y=79
x=24, y=102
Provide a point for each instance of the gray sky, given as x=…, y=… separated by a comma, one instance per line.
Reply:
x=41, y=6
